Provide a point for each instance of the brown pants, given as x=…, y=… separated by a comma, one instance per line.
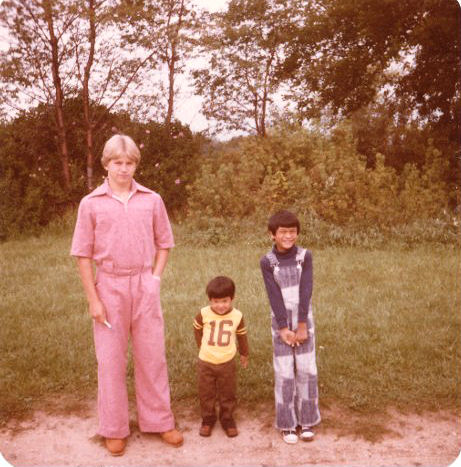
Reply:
x=217, y=382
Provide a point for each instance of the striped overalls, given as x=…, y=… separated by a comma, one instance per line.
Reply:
x=295, y=369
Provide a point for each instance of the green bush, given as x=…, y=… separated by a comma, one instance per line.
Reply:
x=168, y=161
x=31, y=188
x=323, y=178
x=227, y=185
x=336, y=190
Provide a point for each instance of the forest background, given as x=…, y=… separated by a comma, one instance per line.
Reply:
x=349, y=112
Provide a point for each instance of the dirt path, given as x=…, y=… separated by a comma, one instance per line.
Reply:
x=343, y=439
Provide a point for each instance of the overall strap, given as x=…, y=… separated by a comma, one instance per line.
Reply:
x=274, y=262
x=300, y=254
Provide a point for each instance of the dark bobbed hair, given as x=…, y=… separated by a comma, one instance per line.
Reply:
x=220, y=287
x=283, y=218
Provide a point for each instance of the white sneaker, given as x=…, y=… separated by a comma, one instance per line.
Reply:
x=290, y=436
x=307, y=434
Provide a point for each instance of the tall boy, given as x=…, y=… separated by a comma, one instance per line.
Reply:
x=123, y=228
x=216, y=328
x=287, y=274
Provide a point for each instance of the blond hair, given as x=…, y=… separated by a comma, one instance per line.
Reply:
x=119, y=146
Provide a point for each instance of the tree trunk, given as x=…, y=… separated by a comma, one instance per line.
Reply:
x=89, y=158
x=173, y=37
x=86, y=98
x=262, y=125
x=59, y=100
x=171, y=73
x=265, y=98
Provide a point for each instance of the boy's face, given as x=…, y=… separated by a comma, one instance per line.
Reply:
x=120, y=171
x=284, y=238
x=221, y=305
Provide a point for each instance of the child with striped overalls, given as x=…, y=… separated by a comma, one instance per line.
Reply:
x=287, y=274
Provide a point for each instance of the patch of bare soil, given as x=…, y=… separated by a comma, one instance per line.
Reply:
x=67, y=437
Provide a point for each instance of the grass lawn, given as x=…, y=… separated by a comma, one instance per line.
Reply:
x=388, y=323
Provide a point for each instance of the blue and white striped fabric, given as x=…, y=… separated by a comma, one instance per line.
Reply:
x=295, y=369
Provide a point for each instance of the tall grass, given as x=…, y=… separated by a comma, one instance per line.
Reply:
x=388, y=322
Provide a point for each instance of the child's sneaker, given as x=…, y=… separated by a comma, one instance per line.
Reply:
x=290, y=436
x=307, y=433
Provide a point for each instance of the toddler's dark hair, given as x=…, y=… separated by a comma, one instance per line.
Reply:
x=283, y=218
x=220, y=287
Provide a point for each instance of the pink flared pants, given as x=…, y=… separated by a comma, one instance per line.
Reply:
x=132, y=302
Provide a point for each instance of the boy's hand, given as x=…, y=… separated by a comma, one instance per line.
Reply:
x=97, y=311
x=244, y=361
x=301, y=333
x=287, y=336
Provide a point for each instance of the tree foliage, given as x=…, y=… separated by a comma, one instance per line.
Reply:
x=167, y=29
x=105, y=68
x=38, y=65
x=347, y=52
x=244, y=46
x=382, y=78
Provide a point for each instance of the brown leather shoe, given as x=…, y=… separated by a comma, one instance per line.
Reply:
x=173, y=437
x=205, y=430
x=116, y=446
x=231, y=431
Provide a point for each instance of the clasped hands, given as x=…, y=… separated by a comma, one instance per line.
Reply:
x=294, y=338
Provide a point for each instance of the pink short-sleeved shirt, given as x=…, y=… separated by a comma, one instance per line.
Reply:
x=121, y=235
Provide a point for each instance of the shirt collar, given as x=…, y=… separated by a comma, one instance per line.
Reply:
x=104, y=189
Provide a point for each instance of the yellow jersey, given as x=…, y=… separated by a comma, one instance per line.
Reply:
x=217, y=335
